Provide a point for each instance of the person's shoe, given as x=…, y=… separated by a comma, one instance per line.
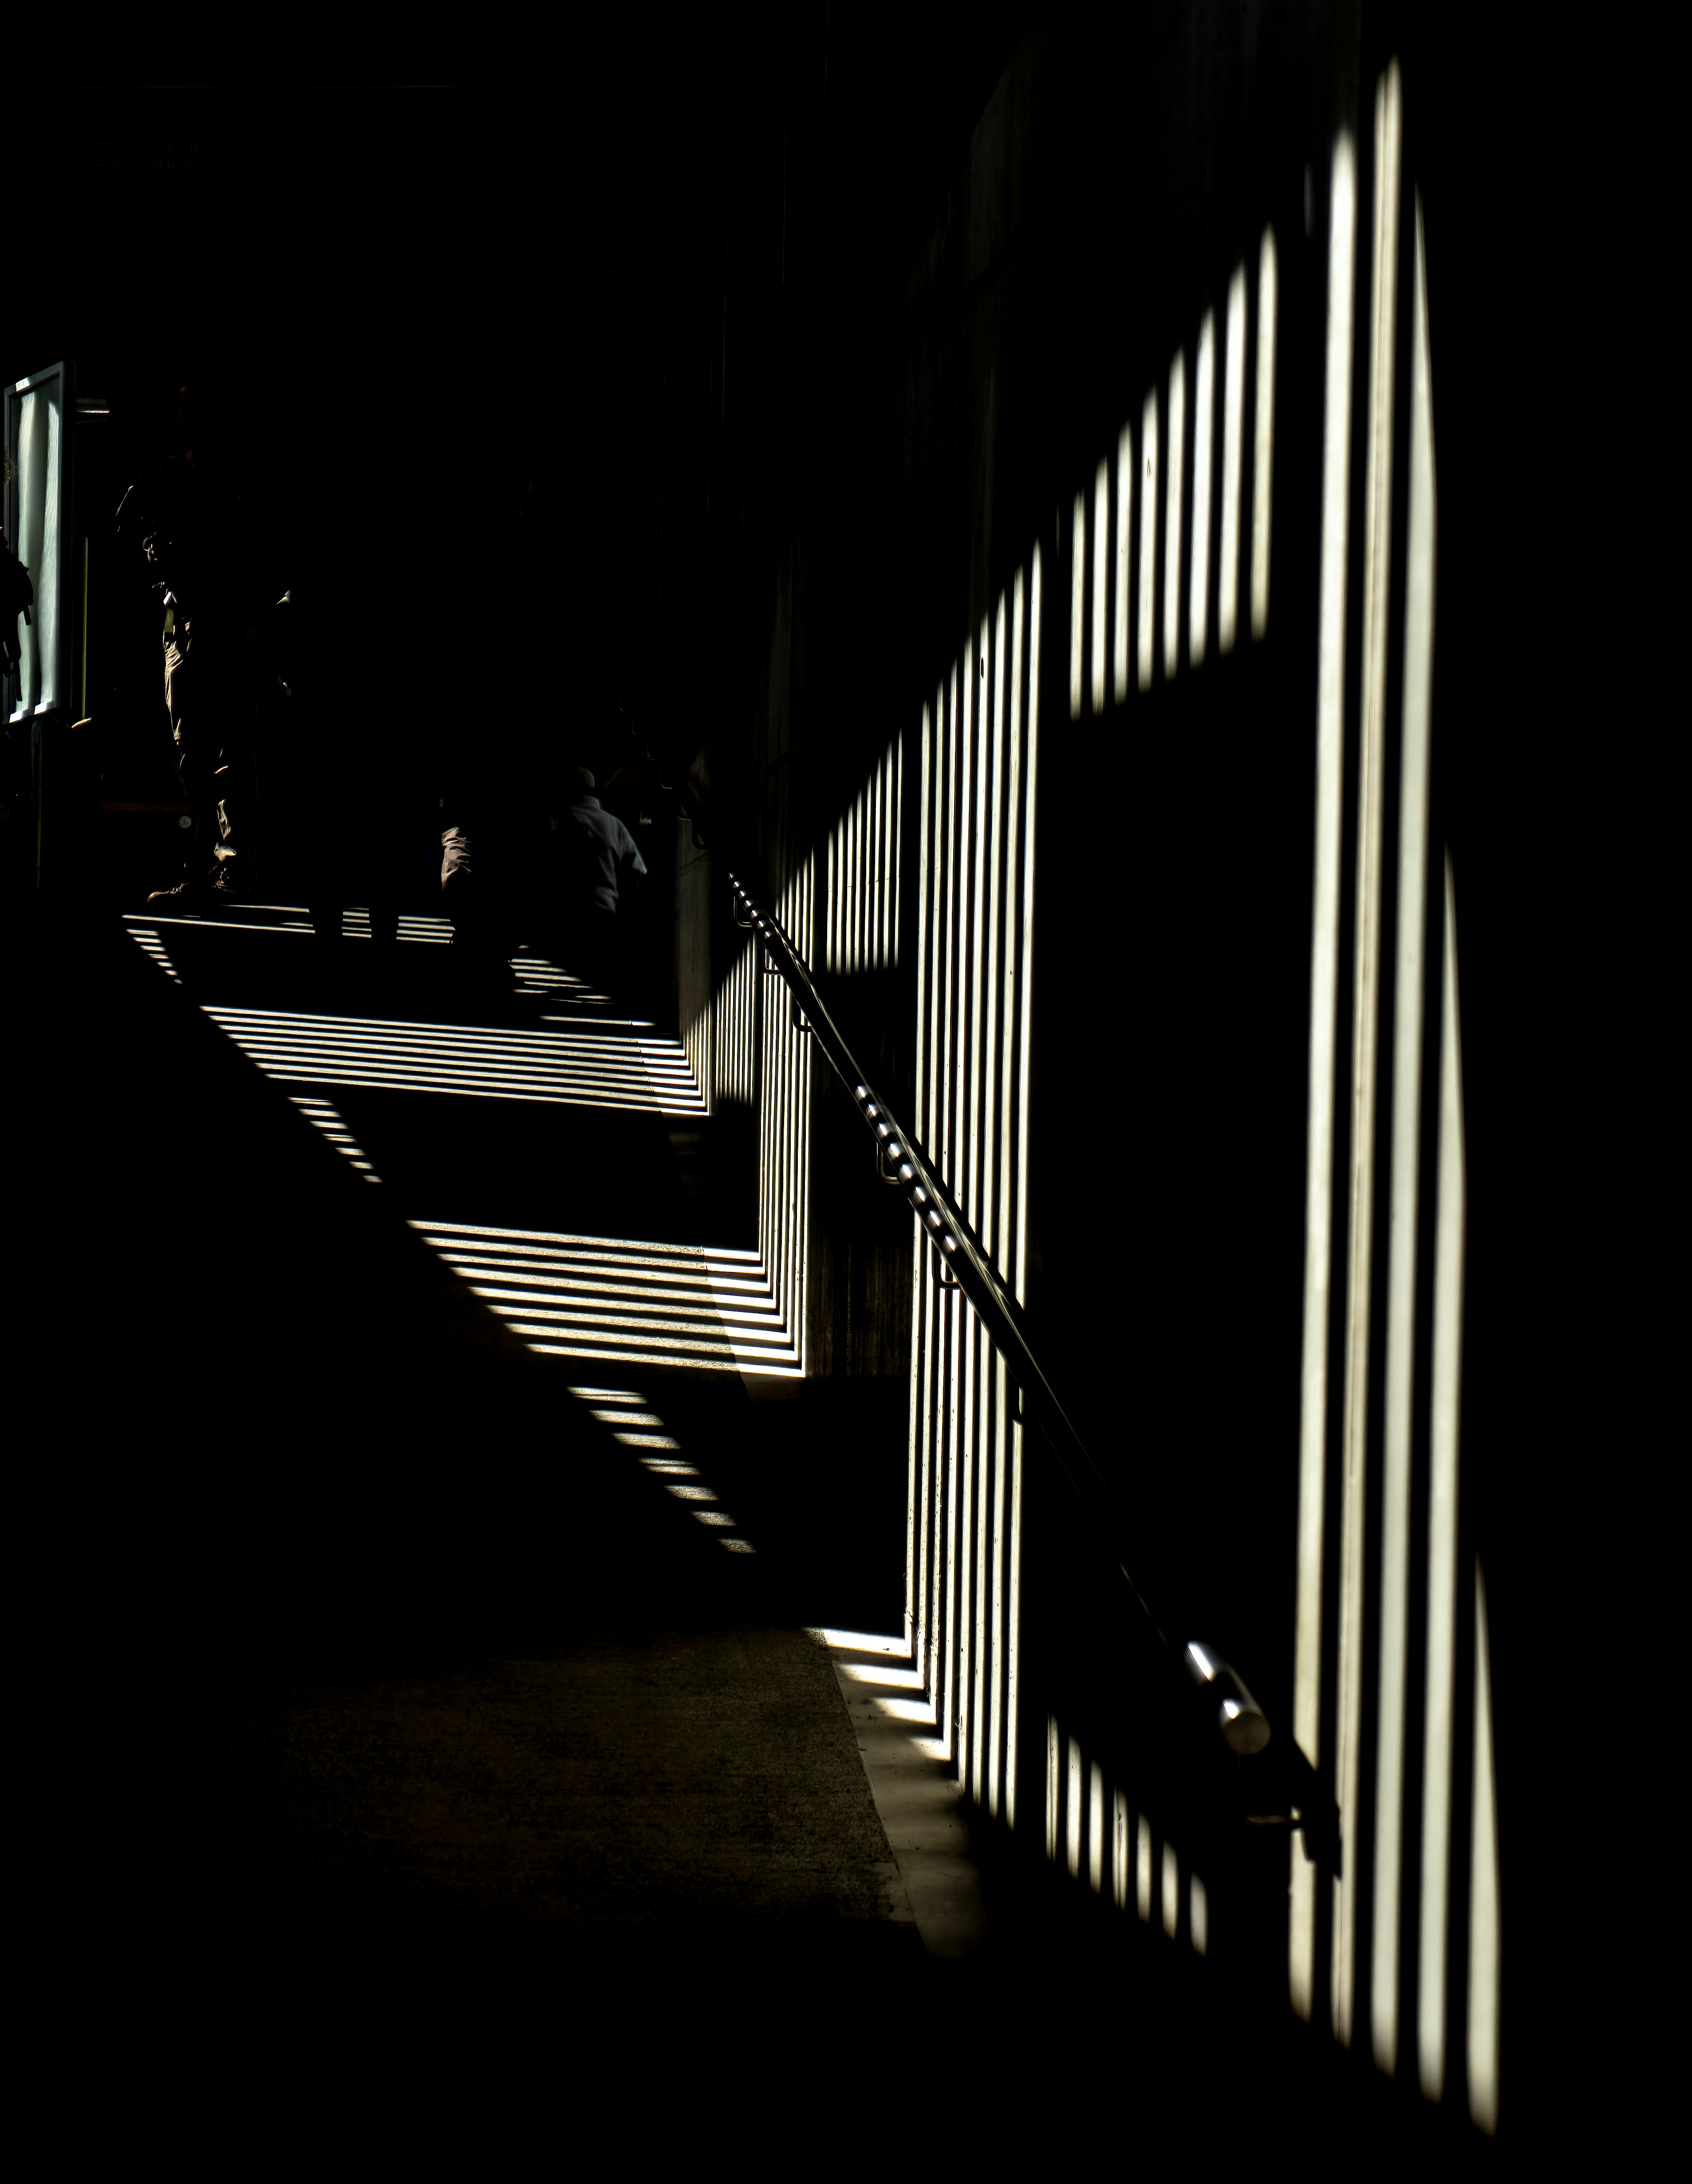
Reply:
x=185, y=897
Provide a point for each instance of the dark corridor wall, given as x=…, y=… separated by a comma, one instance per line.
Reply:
x=900, y=404
x=923, y=384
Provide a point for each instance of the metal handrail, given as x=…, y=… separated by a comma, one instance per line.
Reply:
x=964, y=1264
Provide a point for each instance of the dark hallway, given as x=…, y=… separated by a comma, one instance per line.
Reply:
x=335, y=1484
x=412, y=1704
x=938, y=1424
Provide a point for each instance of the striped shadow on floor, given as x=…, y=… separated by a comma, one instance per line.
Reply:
x=589, y=1064
x=592, y=1296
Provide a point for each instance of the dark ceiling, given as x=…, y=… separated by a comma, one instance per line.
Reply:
x=410, y=295
x=550, y=236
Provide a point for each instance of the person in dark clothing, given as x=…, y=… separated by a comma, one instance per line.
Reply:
x=600, y=869
x=201, y=543
x=354, y=687
x=348, y=809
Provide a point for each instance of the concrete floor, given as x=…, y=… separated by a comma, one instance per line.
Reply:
x=405, y=1675
x=396, y=1739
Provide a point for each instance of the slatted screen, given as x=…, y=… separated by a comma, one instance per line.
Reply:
x=720, y=1018
x=737, y=1036
x=784, y=1141
x=1411, y=1934
x=977, y=769
x=861, y=872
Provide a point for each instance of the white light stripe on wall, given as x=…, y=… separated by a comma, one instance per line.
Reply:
x=1078, y=589
x=897, y=851
x=1442, y=1534
x=1203, y=429
x=1234, y=425
x=1407, y=1061
x=1019, y=1264
x=1101, y=566
x=1264, y=439
x=1365, y=992
x=1125, y=507
x=1324, y=983
x=1483, y=1928
x=1147, y=534
x=1072, y=1831
x=1171, y=512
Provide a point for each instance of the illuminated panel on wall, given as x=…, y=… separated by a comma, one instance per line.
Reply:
x=1204, y=428
x=1264, y=440
x=1101, y=574
x=784, y=1116
x=1097, y=1832
x=860, y=873
x=1366, y=998
x=1384, y=1229
x=1381, y=1571
x=978, y=751
x=1324, y=991
x=1233, y=416
x=1176, y=413
x=1125, y=540
x=1113, y=609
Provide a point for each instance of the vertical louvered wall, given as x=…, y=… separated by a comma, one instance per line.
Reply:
x=977, y=768
x=784, y=1108
x=861, y=870
x=1393, y=1689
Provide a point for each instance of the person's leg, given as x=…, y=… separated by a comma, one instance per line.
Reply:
x=602, y=956
x=194, y=771
x=458, y=881
x=237, y=853
x=474, y=891
x=222, y=708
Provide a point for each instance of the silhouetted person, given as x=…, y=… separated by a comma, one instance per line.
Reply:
x=347, y=806
x=354, y=689
x=599, y=868
x=199, y=539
